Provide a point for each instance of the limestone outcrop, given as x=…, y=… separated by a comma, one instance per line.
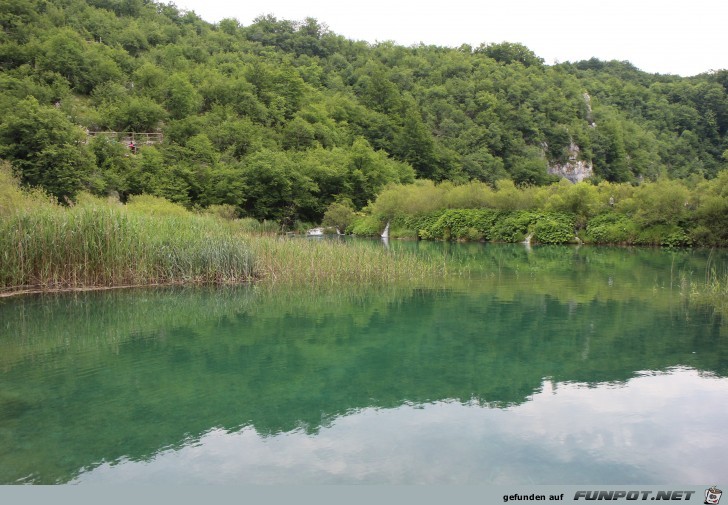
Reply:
x=574, y=169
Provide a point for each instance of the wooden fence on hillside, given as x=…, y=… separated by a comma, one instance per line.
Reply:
x=139, y=139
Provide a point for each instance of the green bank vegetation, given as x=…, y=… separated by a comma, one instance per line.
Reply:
x=103, y=243
x=97, y=243
x=281, y=123
x=664, y=212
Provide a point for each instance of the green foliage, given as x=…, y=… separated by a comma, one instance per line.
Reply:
x=513, y=227
x=137, y=114
x=298, y=134
x=339, y=215
x=664, y=202
x=276, y=189
x=669, y=235
x=181, y=98
x=553, y=228
x=611, y=228
x=324, y=118
x=419, y=198
x=498, y=226
x=508, y=53
x=43, y=147
x=371, y=170
x=460, y=224
x=255, y=227
x=366, y=226
x=580, y=200
x=224, y=211
x=610, y=213
x=13, y=198
x=155, y=206
x=82, y=64
x=105, y=244
x=711, y=211
x=112, y=165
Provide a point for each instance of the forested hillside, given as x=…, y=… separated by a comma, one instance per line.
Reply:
x=279, y=119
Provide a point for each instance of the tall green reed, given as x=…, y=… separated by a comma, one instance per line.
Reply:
x=284, y=260
x=104, y=246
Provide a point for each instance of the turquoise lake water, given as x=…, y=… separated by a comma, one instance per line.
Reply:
x=549, y=365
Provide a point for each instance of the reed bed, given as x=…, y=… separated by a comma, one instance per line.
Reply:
x=98, y=243
x=97, y=246
x=106, y=246
x=298, y=261
x=711, y=292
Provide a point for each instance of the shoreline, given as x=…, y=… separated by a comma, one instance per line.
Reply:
x=81, y=289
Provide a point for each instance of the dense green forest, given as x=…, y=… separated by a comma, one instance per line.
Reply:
x=280, y=119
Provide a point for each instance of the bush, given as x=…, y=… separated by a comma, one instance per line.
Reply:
x=553, y=228
x=668, y=235
x=513, y=228
x=366, y=226
x=462, y=224
x=339, y=215
x=611, y=228
x=702, y=235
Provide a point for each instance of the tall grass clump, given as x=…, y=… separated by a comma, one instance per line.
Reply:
x=255, y=227
x=13, y=198
x=99, y=244
x=712, y=291
x=298, y=261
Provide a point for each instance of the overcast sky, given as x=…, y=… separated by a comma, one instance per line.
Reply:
x=668, y=36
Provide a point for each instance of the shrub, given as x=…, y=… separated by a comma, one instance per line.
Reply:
x=339, y=215
x=513, y=228
x=553, y=228
x=462, y=224
x=366, y=226
x=611, y=228
x=668, y=235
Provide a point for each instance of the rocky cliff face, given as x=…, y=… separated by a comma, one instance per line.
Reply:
x=574, y=169
x=587, y=105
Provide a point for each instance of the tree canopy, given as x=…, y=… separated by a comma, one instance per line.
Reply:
x=280, y=119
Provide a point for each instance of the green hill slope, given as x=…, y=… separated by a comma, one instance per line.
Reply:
x=279, y=119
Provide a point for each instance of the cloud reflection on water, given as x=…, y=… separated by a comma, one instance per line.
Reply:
x=567, y=433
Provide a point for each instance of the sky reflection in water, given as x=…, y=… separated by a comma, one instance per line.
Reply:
x=567, y=433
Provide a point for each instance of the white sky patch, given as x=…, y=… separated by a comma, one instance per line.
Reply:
x=669, y=37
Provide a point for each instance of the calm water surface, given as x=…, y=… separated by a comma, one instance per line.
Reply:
x=553, y=365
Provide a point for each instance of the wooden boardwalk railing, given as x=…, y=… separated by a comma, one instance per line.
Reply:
x=139, y=139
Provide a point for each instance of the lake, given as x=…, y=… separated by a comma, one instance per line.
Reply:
x=542, y=365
